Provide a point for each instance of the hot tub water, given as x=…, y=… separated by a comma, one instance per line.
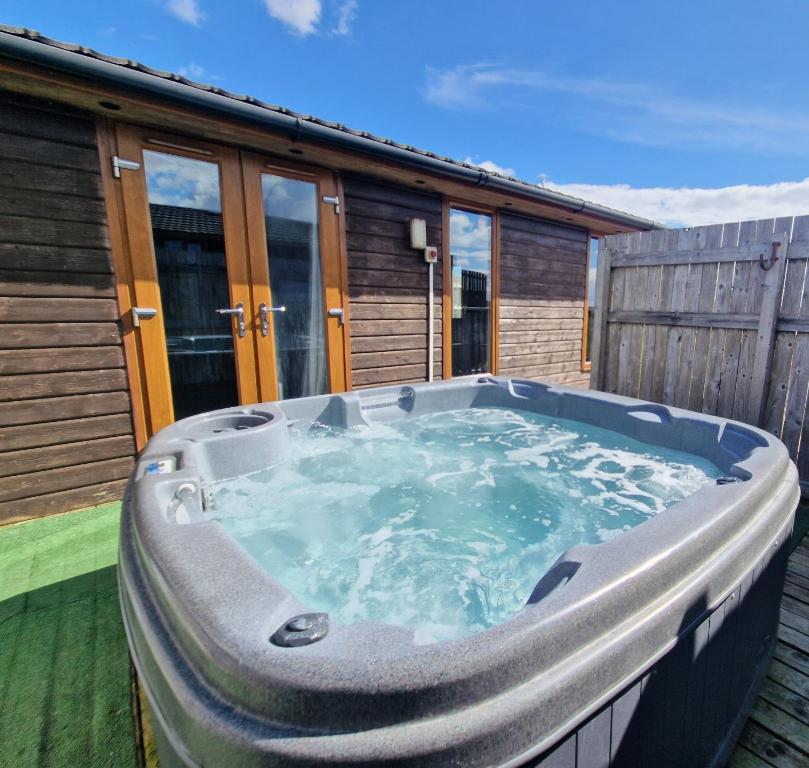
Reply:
x=445, y=522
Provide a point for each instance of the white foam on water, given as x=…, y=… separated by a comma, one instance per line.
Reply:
x=445, y=522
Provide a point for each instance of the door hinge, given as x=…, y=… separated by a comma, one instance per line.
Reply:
x=119, y=164
x=332, y=200
x=338, y=313
x=142, y=313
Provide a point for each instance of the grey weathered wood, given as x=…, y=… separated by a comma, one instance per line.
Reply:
x=730, y=404
x=738, y=320
x=675, y=335
x=692, y=238
x=765, y=745
x=602, y=297
x=795, y=410
x=623, y=384
x=702, y=336
x=716, y=341
x=637, y=338
x=693, y=320
x=749, y=279
x=778, y=385
x=765, y=336
x=743, y=253
x=794, y=324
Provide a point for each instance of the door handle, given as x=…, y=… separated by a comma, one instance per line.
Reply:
x=142, y=313
x=264, y=316
x=338, y=313
x=238, y=312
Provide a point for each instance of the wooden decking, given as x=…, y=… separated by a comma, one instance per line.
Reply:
x=777, y=733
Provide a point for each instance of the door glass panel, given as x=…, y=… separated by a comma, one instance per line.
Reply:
x=471, y=259
x=189, y=244
x=290, y=216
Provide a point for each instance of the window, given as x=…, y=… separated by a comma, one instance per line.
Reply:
x=470, y=247
x=589, y=303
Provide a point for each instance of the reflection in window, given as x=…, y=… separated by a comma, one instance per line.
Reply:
x=293, y=250
x=592, y=265
x=189, y=244
x=471, y=270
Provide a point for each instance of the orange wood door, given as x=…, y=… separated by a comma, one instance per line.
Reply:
x=298, y=275
x=185, y=228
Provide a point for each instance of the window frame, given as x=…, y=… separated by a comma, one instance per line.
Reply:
x=461, y=204
x=587, y=365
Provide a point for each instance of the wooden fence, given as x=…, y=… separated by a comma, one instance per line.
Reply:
x=713, y=319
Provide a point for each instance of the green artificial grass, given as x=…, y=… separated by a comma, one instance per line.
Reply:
x=65, y=680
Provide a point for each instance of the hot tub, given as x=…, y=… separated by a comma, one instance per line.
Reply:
x=643, y=648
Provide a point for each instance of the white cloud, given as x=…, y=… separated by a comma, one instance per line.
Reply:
x=471, y=239
x=694, y=206
x=491, y=167
x=192, y=71
x=630, y=112
x=345, y=17
x=186, y=10
x=182, y=182
x=301, y=16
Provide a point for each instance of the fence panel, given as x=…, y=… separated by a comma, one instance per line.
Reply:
x=714, y=319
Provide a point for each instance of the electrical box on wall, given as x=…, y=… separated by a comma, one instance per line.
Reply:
x=431, y=254
x=418, y=233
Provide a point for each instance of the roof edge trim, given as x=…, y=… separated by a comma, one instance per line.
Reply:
x=85, y=65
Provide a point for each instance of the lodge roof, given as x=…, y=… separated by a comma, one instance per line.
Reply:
x=7, y=33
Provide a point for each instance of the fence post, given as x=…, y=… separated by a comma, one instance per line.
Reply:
x=772, y=286
x=597, y=353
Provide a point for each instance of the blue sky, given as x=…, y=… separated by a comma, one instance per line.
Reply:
x=693, y=112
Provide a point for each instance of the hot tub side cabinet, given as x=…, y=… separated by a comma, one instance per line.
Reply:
x=167, y=248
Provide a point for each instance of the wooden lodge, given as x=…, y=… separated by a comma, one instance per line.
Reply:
x=168, y=248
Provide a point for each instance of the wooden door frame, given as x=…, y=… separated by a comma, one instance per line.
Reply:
x=144, y=289
x=586, y=365
x=119, y=245
x=333, y=270
x=446, y=267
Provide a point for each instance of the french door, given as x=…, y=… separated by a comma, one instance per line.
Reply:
x=236, y=276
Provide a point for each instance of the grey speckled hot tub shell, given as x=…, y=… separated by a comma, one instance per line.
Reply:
x=678, y=612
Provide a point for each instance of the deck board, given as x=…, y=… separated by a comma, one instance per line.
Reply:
x=777, y=733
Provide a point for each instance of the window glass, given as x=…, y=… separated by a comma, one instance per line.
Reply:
x=471, y=270
x=189, y=244
x=592, y=268
x=293, y=250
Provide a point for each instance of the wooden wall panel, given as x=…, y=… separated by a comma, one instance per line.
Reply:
x=388, y=283
x=542, y=276
x=65, y=425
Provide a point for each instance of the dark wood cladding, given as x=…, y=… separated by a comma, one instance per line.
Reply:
x=65, y=427
x=542, y=275
x=388, y=283
x=66, y=436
